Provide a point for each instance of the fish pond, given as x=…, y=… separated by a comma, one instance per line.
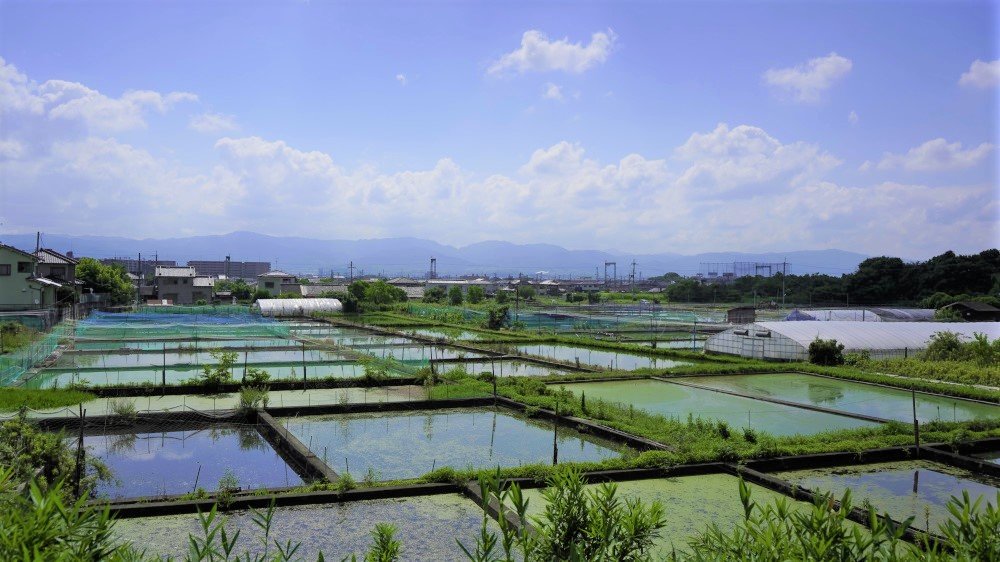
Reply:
x=172, y=375
x=848, y=396
x=410, y=444
x=616, y=360
x=179, y=462
x=918, y=489
x=681, y=402
x=690, y=504
x=503, y=368
x=427, y=527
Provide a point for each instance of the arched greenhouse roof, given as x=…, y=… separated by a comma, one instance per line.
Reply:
x=279, y=308
x=876, y=335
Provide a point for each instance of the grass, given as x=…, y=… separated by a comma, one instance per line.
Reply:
x=14, y=336
x=13, y=399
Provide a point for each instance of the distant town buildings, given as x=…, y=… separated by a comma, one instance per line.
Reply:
x=248, y=270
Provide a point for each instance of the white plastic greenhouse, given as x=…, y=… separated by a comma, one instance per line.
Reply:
x=864, y=314
x=284, y=308
x=789, y=341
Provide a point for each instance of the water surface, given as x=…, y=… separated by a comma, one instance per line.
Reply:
x=677, y=401
x=409, y=444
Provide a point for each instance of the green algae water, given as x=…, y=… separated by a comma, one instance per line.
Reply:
x=847, y=396
x=427, y=526
x=690, y=503
x=176, y=462
x=180, y=344
x=677, y=401
x=449, y=333
x=409, y=444
x=61, y=378
x=918, y=489
x=202, y=357
x=504, y=368
x=615, y=360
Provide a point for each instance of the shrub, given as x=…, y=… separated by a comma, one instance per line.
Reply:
x=944, y=346
x=826, y=352
x=257, y=376
x=455, y=296
x=434, y=294
x=496, y=317
x=502, y=297
x=476, y=294
x=221, y=373
x=123, y=409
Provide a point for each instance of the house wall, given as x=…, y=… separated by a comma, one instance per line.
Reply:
x=15, y=290
x=181, y=290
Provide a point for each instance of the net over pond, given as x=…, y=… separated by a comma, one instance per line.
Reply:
x=503, y=368
x=918, y=489
x=854, y=397
x=677, y=401
x=410, y=444
x=427, y=526
x=616, y=360
x=178, y=462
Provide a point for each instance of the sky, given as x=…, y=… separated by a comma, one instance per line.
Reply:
x=631, y=126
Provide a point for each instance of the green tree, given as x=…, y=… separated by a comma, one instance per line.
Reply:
x=455, y=295
x=434, y=294
x=526, y=292
x=502, y=297
x=476, y=294
x=382, y=293
x=496, y=317
x=112, y=280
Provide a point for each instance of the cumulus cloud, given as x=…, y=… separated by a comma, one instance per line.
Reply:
x=552, y=92
x=213, y=123
x=61, y=100
x=401, y=78
x=936, y=155
x=539, y=54
x=981, y=75
x=807, y=82
x=729, y=159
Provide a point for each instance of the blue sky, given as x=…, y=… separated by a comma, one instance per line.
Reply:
x=674, y=126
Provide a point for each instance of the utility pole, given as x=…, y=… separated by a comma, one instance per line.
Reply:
x=350, y=268
x=227, y=267
x=784, y=273
x=38, y=242
x=138, y=285
x=633, y=276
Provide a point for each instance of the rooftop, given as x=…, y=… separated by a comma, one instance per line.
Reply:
x=48, y=255
x=275, y=274
x=164, y=271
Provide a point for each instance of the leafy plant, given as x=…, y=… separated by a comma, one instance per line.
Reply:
x=123, y=409
x=221, y=373
x=826, y=352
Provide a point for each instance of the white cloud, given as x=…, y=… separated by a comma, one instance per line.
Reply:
x=11, y=149
x=60, y=100
x=807, y=82
x=853, y=118
x=401, y=78
x=213, y=123
x=538, y=54
x=726, y=159
x=981, y=75
x=936, y=155
x=552, y=92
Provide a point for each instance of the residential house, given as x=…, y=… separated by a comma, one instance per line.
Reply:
x=277, y=282
x=20, y=286
x=60, y=268
x=181, y=285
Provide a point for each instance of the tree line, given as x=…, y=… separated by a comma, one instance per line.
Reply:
x=941, y=280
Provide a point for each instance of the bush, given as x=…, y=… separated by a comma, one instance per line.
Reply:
x=826, y=352
x=220, y=374
x=257, y=376
x=944, y=346
x=455, y=296
x=496, y=317
x=434, y=294
x=502, y=297
x=476, y=294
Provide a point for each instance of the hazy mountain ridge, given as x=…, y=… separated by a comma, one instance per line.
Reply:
x=411, y=256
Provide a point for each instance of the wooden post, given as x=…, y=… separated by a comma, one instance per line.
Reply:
x=916, y=422
x=555, y=436
x=80, y=453
x=303, y=365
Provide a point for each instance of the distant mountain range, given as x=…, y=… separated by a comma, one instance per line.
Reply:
x=411, y=256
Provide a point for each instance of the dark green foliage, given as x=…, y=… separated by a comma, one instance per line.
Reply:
x=434, y=294
x=502, y=297
x=238, y=287
x=221, y=373
x=576, y=525
x=476, y=294
x=357, y=289
x=826, y=352
x=496, y=317
x=381, y=293
x=112, y=280
x=455, y=296
x=526, y=292
x=15, y=398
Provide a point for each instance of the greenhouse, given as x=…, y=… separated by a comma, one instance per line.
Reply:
x=864, y=314
x=289, y=308
x=789, y=341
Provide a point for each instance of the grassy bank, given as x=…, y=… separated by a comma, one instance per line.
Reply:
x=13, y=399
